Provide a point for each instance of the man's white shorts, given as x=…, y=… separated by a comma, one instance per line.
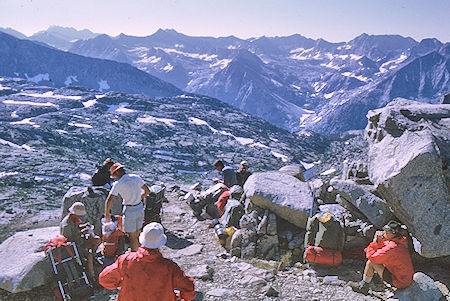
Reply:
x=133, y=217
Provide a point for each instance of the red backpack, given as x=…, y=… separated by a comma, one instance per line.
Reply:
x=58, y=242
x=110, y=243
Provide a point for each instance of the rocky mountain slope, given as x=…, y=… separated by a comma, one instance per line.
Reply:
x=56, y=68
x=52, y=137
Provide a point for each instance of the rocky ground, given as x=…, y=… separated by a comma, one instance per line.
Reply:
x=191, y=244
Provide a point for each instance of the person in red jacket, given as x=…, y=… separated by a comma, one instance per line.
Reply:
x=146, y=275
x=388, y=256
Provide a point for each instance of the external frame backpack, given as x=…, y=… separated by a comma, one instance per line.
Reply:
x=324, y=231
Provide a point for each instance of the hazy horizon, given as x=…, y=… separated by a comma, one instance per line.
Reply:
x=151, y=33
x=327, y=19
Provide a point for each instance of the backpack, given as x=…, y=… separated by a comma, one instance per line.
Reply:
x=233, y=213
x=57, y=242
x=213, y=193
x=101, y=176
x=111, y=243
x=153, y=204
x=323, y=256
x=324, y=231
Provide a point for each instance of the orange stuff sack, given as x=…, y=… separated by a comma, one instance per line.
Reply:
x=323, y=256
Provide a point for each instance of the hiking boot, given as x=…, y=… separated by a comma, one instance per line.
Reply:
x=361, y=287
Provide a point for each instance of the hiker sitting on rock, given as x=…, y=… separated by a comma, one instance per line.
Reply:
x=133, y=190
x=102, y=175
x=146, y=275
x=242, y=173
x=82, y=234
x=388, y=256
x=228, y=174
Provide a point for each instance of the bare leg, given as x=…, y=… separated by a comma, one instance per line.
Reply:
x=363, y=285
x=372, y=267
x=134, y=241
x=90, y=263
x=93, y=242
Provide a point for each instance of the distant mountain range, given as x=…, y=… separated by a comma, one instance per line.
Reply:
x=294, y=82
x=56, y=68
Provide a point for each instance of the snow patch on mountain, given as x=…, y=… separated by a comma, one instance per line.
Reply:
x=132, y=144
x=318, y=86
x=259, y=144
x=204, y=57
x=359, y=77
x=149, y=60
x=304, y=116
x=89, y=103
x=331, y=65
x=9, y=143
x=385, y=67
x=50, y=94
x=80, y=125
x=120, y=108
x=103, y=85
x=328, y=172
x=307, y=165
x=328, y=95
x=4, y=88
x=29, y=103
x=221, y=63
x=283, y=158
x=153, y=120
x=244, y=141
x=168, y=67
x=70, y=79
x=38, y=78
x=26, y=121
x=7, y=174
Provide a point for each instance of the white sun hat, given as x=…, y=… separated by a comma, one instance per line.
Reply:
x=77, y=208
x=153, y=236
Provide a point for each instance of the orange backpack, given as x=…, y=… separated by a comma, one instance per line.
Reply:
x=110, y=242
x=56, y=243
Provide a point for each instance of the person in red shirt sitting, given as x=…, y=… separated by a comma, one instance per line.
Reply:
x=146, y=275
x=388, y=256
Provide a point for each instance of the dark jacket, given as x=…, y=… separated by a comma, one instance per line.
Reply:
x=101, y=177
x=242, y=176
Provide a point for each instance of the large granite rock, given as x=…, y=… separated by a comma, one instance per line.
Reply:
x=409, y=153
x=94, y=202
x=294, y=170
x=422, y=288
x=374, y=208
x=23, y=264
x=286, y=196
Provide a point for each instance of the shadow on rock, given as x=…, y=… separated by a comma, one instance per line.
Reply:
x=198, y=297
x=176, y=242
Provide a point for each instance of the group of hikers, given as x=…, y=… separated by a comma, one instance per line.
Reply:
x=144, y=274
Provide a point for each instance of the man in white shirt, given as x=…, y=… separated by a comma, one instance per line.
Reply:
x=133, y=190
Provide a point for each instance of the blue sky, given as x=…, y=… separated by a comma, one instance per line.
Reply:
x=333, y=20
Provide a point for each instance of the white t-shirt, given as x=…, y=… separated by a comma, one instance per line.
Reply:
x=129, y=188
